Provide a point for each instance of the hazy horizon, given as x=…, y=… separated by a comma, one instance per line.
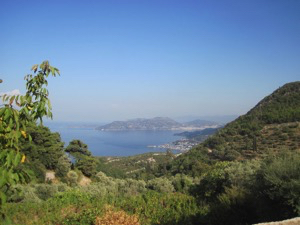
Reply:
x=121, y=60
x=213, y=118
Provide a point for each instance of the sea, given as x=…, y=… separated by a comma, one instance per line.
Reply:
x=113, y=143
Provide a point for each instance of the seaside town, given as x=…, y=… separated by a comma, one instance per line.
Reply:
x=182, y=145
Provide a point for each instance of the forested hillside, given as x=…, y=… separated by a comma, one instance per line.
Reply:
x=272, y=126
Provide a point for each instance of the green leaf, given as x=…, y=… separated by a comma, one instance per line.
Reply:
x=49, y=104
x=53, y=71
x=2, y=154
x=2, y=180
x=3, y=198
x=2, y=111
x=9, y=176
x=15, y=176
x=17, y=159
x=8, y=159
x=12, y=98
x=26, y=110
x=57, y=71
x=7, y=114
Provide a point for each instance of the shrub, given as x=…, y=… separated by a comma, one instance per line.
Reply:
x=234, y=206
x=84, y=217
x=278, y=181
x=182, y=183
x=102, y=178
x=131, y=187
x=45, y=191
x=23, y=193
x=95, y=190
x=72, y=178
x=162, y=185
x=63, y=166
x=213, y=182
x=242, y=174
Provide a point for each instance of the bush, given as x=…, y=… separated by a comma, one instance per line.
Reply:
x=278, y=181
x=131, y=187
x=182, y=183
x=72, y=178
x=162, y=208
x=63, y=166
x=162, y=185
x=45, y=191
x=242, y=174
x=23, y=193
x=35, y=192
x=234, y=206
x=95, y=190
x=102, y=178
x=213, y=182
x=120, y=186
x=84, y=217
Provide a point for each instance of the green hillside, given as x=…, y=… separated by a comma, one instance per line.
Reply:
x=248, y=172
x=272, y=125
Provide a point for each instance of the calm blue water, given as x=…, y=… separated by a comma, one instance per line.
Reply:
x=115, y=143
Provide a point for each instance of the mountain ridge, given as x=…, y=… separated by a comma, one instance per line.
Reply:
x=156, y=123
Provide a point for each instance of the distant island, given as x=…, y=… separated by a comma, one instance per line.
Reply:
x=157, y=123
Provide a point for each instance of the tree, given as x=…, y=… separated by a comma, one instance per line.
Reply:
x=45, y=147
x=84, y=160
x=78, y=147
x=15, y=114
x=86, y=164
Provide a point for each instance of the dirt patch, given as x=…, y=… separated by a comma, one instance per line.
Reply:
x=85, y=181
x=49, y=176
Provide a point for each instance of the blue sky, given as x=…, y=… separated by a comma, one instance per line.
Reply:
x=122, y=59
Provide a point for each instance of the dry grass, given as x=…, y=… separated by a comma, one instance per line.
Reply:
x=67, y=211
x=112, y=217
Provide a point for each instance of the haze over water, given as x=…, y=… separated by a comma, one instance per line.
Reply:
x=114, y=143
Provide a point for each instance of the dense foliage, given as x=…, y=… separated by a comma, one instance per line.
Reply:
x=16, y=113
x=84, y=161
x=44, y=152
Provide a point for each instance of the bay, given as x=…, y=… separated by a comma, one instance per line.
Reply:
x=113, y=143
